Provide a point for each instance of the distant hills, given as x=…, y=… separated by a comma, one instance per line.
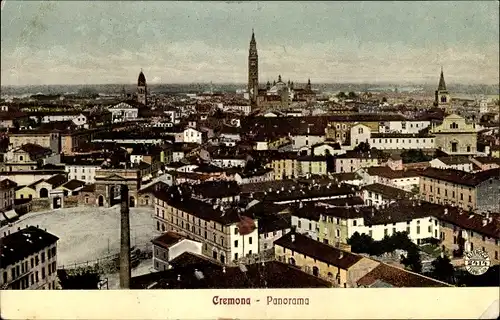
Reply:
x=201, y=87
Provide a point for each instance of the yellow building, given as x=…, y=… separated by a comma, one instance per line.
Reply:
x=284, y=165
x=312, y=165
x=342, y=268
x=469, y=191
x=472, y=230
x=26, y=192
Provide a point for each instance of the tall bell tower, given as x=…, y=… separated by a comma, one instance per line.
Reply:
x=253, y=71
x=442, y=96
x=142, y=89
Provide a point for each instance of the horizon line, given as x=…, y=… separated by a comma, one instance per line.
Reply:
x=245, y=84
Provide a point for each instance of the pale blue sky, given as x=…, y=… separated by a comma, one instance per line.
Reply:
x=177, y=42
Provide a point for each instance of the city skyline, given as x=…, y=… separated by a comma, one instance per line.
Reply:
x=179, y=42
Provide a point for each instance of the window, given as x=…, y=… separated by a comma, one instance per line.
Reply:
x=205, y=234
x=236, y=243
x=299, y=224
x=36, y=277
x=470, y=198
x=235, y=256
x=408, y=230
x=429, y=229
x=250, y=240
x=370, y=233
x=418, y=229
x=235, y=230
x=496, y=255
x=310, y=226
x=385, y=232
x=32, y=261
x=43, y=273
x=354, y=223
x=36, y=260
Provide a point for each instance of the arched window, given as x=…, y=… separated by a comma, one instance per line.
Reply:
x=315, y=271
x=292, y=261
x=360, y=130
x=44, y=193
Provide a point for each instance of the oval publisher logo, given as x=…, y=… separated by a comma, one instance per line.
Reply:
x=477, y=262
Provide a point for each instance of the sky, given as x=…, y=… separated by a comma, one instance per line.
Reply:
x=105, y=42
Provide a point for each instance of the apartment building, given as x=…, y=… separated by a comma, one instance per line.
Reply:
x=377, y=194
x=169, y=246
x=469, y=191
x=462, y=163
x=338, y=224
x=226, y=235
x=28, y=259
x=7, y=194
x=407, y=180
x=352, y=161
x=472, y=231
x=312, y=165
x=341, y=268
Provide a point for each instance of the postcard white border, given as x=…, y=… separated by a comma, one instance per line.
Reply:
x=401, y=303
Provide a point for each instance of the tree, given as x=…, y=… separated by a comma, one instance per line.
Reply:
x=442, y=269
x=413, y=155
x=384, y=99
x=361, y=243
x=341, y=95
x=352, y=95
x=362, y=147
x=412, y=260
x=330, y=161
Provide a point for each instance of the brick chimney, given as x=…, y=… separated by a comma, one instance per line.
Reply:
x=125, y=239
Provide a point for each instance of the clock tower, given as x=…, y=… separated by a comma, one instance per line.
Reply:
x=253, y=71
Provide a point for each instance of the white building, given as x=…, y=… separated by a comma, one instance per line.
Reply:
x=306, y=221
x=453, y=162
x=169, y=246
x=407, y=180
x=377, y=194
x=227, y=161
x=82, y=170
x=402, y=126
x=390, y=141
x=381, y=224
x=189, y=135
x=245, y=109
x=123, y=112
x=78, y=119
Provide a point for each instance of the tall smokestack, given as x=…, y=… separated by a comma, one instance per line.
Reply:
x=125, y=239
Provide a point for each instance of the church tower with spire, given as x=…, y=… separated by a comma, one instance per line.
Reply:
x=253, y=71
x=142, y=89
x=442, y=96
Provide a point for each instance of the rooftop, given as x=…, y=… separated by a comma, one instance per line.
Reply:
x=387, y=191
x=270, y=274
x=168, y=239
x=396, y=277
x=317, y=250
x=460, y=177
x=23, y=243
